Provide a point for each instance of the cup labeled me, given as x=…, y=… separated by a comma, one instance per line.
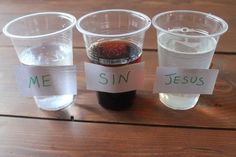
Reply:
x=44, y=39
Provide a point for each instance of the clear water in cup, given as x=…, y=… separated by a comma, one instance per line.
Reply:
x=173, y=51
x=49, y=55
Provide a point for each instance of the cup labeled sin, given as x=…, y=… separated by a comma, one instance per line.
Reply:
x=114, y=38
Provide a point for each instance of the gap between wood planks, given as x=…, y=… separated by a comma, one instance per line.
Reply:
x=120, y=123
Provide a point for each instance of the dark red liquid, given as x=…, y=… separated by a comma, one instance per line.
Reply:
x=115, y=53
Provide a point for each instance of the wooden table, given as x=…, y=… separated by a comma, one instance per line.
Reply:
x=148, y=128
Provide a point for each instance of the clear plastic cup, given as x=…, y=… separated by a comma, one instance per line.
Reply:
x=186, y=39
x=106, y=34
x=44, y=39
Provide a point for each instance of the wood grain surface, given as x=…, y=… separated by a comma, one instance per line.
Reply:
x=148, y=128
x=213, y=111
x=31, y=137
x=222, y=8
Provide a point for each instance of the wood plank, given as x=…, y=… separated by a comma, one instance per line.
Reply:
x=216, y=111
x=27, y=137
x=12, y=9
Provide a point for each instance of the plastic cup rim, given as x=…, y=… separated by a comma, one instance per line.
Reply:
x=224, y=24
x=85, y=32
x=67, y=16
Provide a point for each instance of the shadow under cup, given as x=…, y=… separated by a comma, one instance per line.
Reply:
x=114, y=38
x=186, y=39
x=44, y=39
